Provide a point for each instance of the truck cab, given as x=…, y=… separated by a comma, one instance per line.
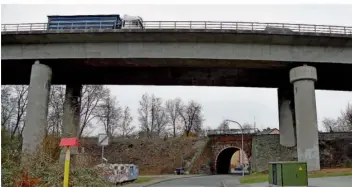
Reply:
x=132, y=22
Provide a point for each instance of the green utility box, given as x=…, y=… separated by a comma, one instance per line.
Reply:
x=288, y=174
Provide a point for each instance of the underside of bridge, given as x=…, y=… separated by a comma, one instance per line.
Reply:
x=175, y=72
x=224, y=160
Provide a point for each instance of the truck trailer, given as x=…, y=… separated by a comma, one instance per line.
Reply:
x=112, y=21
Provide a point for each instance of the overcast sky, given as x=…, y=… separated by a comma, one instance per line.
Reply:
x=241, y=104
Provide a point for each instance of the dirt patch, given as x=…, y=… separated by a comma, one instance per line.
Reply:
x=152, y=156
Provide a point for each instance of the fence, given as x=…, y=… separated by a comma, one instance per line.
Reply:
x=281, y=28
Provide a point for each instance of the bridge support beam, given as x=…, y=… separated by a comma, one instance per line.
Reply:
x=286, y=116
x=303, y=79
x=37, y=107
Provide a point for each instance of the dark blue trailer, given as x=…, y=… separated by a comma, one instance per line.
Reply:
x=84, y=22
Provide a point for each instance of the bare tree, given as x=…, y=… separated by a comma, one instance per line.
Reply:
x=346, y=119
x=126, y=127
x=150, y=107
x=172, y=108
x=91, y=96
x=162, y=119
x=330, y=125
x=56, y=104
x=109, y=113
x=341, y=123
x=144, y=113
x=191, y=117
x=224, y=125
x=21, y=99
x=7, y=106
x=247, y=128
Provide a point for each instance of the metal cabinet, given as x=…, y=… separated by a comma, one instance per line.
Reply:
x=288, y=174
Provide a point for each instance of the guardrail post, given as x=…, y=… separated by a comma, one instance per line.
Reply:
x=344, y=30
x=190, y=25
x=18, y=25
x=236, y=26
x=315, y=29
x=252, y=27
x=330, y=29
x=220, y=25
x=299, y=28
x=205, y=25
x=30, y=26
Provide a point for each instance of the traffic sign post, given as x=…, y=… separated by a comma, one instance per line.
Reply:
x=103, y=140
x=68, y=142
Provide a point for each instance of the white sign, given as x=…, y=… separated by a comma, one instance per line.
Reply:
x=103, y=139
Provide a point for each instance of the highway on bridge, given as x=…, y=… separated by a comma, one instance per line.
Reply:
x=203, y=181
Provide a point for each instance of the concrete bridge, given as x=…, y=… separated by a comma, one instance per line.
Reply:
x=182, y=53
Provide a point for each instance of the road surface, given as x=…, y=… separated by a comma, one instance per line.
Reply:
x=202, y=181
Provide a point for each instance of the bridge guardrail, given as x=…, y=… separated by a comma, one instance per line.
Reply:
x=281, y=28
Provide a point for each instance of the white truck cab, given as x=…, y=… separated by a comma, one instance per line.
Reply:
x=132, y=22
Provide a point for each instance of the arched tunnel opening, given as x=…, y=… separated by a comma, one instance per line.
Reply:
x=224, y=160
x=229, y=161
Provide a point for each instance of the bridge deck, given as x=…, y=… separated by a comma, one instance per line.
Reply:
x=185, y=31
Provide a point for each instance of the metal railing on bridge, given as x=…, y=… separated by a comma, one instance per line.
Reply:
x=230, y=131
x=274, y=28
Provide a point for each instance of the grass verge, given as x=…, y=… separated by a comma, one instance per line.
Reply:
x=143, y=179
x=260, y=177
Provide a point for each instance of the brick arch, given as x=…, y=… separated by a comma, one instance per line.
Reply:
x=220, y=149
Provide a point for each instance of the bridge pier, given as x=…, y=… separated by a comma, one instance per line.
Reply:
x=71, y=116
x=303, y=79
x=72, y=108
x=286, y=116
x=37, y=107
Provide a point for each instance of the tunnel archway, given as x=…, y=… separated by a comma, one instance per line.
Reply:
x=223, y=159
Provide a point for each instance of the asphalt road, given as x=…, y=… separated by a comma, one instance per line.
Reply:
x=202, y=181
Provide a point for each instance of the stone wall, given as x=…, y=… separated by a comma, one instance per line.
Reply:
x=335, y=150
x=267, y=148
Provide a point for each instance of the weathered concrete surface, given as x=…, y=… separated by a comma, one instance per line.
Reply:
x=286, y=116
x=72, y=105
x=334, y=150
x=179, y=50
x=172, y=35
x=37, y=108
x=303, y=79
x=71, y=117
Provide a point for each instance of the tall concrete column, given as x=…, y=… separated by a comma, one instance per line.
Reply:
x=303, y=79
x=72, y=105
x=286, y=116
x=71, y=116
x=37, y=107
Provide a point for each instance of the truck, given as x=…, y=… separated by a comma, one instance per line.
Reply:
x=112, y=21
